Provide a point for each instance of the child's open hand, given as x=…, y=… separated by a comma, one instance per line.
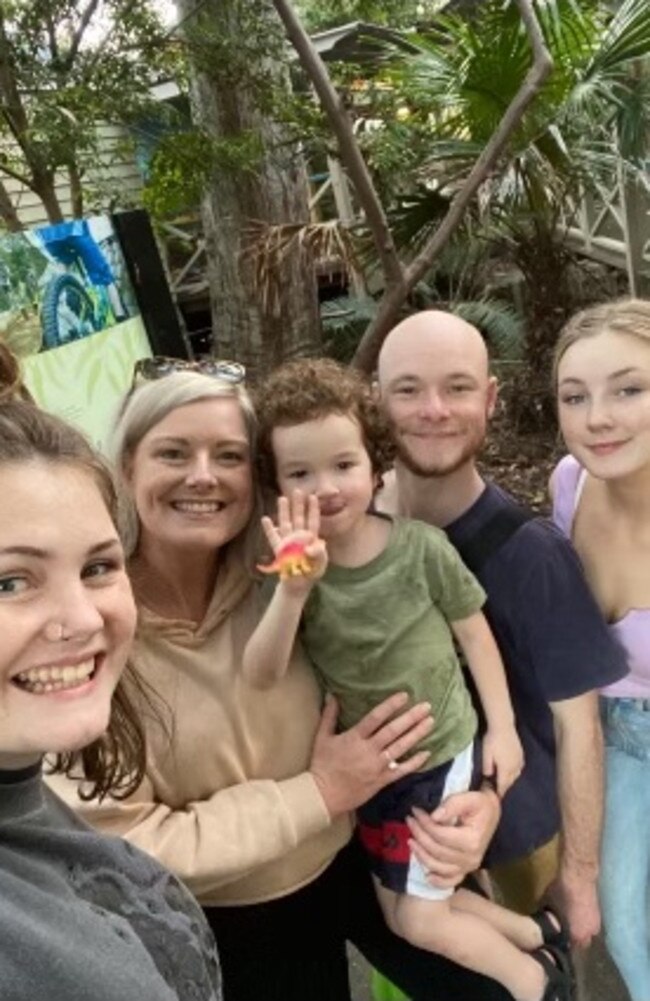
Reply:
x=503, y=754
x=300, y=555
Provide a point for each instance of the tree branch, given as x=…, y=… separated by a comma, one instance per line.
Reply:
x=51, y=36
x=349, y=150
x=389, y=306
x=12, y=105
x=15, y=174
x=77, y=38
x=76, y=191
x=398, y=281
x=8, y=212
x=99, y=47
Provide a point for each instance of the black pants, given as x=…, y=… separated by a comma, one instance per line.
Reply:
x=293, y=949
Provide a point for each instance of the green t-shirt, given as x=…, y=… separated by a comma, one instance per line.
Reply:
x=383, y=628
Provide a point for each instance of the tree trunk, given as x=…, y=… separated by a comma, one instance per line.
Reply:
x=245, y=328
x=8, y=212
x=76, y=191
x=551, y=296
x=42, y=184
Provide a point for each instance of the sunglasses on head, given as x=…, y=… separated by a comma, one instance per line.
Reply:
x=158, y=367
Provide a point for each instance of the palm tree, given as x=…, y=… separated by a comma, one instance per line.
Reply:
x=593, y=111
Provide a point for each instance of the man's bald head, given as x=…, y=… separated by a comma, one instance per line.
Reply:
x=432, y=334
x=437, y=391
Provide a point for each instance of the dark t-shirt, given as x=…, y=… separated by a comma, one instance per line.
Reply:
x=555, y=646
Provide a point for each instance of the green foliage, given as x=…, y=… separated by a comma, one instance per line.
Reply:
x=502, y=325
x=467, y=72
x=466, y=279
x=429, y=114
x=21, y=267
x=246, y=44
x=66, y=65
x=344, y=320
x=240, y=53
x=469, y=279
x=318, y=15
x=184, y=162
x=414, y=216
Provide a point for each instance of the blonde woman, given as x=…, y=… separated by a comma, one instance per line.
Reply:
x=602, y=501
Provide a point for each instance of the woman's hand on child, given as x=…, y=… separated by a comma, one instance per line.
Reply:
x=350, y=767
x=298, y=525
x=503, y=755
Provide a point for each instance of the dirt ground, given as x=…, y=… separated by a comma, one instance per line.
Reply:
x=520, y=463
x=599, y=980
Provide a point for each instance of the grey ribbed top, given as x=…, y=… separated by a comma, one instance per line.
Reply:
x=84, y=917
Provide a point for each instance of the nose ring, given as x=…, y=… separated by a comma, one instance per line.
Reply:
x=56, y=632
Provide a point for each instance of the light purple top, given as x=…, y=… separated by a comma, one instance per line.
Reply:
x=633, y=630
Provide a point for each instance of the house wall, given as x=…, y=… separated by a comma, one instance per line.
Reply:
x=114, y=182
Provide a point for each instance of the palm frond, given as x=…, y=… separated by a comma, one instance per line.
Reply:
x=266, y=247
x=633, y=121
x=502, y=325
x=415, y=215
x=344, y=321
x=627, y=38
x=594, y=109
x=346, y=310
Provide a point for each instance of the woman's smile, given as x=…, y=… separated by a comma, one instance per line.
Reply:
x=198, y=507
x=191, y=478
x=606, y=447
x=65, y=676
x=66, y=610
x=604, y=403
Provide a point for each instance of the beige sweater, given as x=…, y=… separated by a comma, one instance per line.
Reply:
x=226, y=803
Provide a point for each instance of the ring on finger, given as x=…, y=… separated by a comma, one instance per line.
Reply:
x=391, y=764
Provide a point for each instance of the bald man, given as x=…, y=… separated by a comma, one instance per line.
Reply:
x=436, y=387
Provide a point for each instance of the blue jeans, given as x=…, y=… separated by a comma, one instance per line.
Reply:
x=625, y=859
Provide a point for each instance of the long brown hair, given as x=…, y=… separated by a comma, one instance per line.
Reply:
x=115, y=762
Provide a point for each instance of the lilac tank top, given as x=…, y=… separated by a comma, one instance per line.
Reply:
x=632, y=631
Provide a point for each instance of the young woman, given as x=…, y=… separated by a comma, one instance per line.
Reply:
x=250, y=803
x=602, y=500
x=82, y=915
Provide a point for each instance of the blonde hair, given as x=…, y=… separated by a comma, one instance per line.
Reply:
x=147, y=406
x=623, y=316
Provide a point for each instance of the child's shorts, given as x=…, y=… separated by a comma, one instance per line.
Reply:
x=382, y=822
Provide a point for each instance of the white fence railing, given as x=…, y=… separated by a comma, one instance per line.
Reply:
x=613, y=226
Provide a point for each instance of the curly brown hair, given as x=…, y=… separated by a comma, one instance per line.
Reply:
x=311, y=388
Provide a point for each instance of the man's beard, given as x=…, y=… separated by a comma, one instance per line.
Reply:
x=437, y=467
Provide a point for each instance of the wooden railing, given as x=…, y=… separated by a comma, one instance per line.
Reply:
x=613, y=226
